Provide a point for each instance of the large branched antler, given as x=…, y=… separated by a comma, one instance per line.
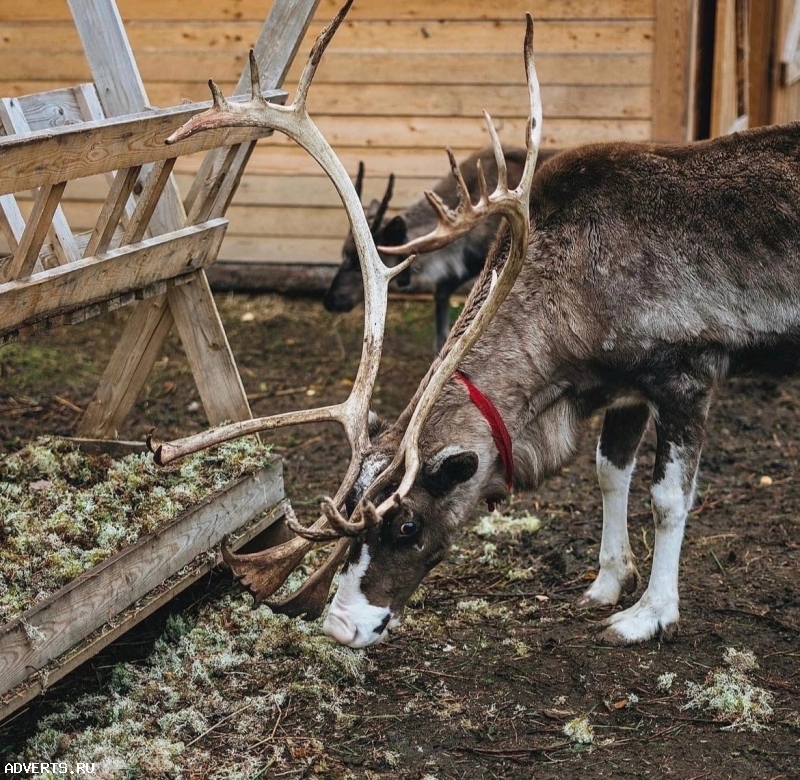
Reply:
x=265, y=571
x=491, y=289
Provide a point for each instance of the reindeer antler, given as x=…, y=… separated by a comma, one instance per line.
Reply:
x=265, y=571
x=494, y=284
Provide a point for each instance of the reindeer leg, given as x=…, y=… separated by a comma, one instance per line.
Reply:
x=679, y=442
x=616, y=455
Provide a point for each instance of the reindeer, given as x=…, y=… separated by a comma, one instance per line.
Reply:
x=629, y=279
x=444, y=270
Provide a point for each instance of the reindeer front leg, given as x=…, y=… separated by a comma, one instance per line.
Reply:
x=622, y=432
x=679, y=442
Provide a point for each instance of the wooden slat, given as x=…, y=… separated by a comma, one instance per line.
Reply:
x=159, y=10
x=12, y=222
x=72, y=613
x=112, y=211
x=154, y=188
x=188, y=74
x=111, y=274
x=36, y=229
x=628, y=36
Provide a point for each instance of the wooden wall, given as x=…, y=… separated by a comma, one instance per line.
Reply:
x=402, y=79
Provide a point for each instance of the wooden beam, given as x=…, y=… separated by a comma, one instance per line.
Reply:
x=674, y=69
x=105, y=276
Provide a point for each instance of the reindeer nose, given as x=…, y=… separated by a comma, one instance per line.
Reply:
x=345, y=632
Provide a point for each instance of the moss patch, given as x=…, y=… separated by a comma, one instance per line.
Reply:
x=64, y=511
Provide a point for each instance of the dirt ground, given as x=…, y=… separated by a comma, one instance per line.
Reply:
x=487, y=694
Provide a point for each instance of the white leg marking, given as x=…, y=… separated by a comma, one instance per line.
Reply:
x=618, y=571
x=656, y=612
x=351, y=619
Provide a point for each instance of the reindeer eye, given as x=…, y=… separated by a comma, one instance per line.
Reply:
x=408, y=528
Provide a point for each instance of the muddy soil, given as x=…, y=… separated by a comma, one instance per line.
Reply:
x=484, y=691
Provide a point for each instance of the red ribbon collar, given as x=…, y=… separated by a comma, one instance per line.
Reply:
x=500, y=435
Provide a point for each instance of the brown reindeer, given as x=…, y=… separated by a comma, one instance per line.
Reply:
x=444, y=270
x=631, y=279
x=652, y=273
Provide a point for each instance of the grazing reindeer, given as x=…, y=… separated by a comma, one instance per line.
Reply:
x=631, y=279
x=442, y=271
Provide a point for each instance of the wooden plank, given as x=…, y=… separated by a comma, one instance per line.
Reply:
x=725, y=107
x=123, y=379
x=36, y=229
x=326, y=251
x=53, y=108
x=464, y=133
x=105, y=276
x=574, y=35
x=674, y=69
x=159, y=10
x=201, y=332
x=20, y=75
x=761, y=77
x=47, y=157
x=71, y=614
x=130, y=617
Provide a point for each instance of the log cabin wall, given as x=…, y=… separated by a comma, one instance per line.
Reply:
x=402, y=79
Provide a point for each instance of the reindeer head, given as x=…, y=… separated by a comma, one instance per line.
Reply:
x=401, y=508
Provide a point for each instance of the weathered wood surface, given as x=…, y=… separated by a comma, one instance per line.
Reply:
x=399, y=82
x=105, y=276
x=213, y=10
x=56, y=624
x=20, y=695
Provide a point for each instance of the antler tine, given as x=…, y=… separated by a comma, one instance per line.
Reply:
x=482, y=188
x=499, y=157
x=484, y=300
x=318, y=49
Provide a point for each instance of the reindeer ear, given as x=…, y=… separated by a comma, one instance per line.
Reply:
x=449, y=468
x=372, y=209
x=394, y=232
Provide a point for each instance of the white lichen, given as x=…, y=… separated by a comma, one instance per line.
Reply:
x=579, y=730
x=665, y=681
x=496, y=523
x=731, y=697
